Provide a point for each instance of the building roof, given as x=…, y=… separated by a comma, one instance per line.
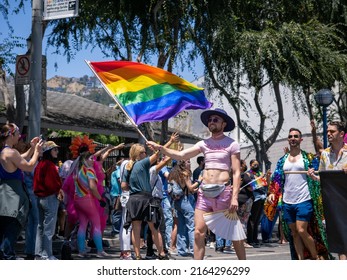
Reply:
x=72, y=112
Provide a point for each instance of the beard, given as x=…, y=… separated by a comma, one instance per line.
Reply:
x=215, y=129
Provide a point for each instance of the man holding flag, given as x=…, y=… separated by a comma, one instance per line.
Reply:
x=145, y=93
x=301, y=209
x=222, y=156
x=333, y=162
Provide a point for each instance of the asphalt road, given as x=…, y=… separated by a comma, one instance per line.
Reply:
x=265, y=252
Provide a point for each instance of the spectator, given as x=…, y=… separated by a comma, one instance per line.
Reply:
x=14, y=205
x=136, y=179
x=47, y=188
x=184, y=203
x=197, y=171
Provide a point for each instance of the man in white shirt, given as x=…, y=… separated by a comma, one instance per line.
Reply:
x=298, y=205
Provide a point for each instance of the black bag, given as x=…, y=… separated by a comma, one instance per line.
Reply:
x=154, y=212
x=66, y=251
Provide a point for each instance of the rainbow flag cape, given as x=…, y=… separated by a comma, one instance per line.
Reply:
x=148, y=93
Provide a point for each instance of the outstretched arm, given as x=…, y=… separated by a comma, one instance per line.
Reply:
x=105, y=152
x=173, y=139
x=178, y=155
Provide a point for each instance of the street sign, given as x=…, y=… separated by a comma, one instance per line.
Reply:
x=22, y=69
x=56, y=9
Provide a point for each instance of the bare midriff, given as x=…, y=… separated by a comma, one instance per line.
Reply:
x=215, y=176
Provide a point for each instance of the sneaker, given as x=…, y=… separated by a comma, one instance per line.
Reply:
x=228, y=250
x=219, y=250
x=212, y=245
x=126, y=256
x=165, y=257
x=102, y=255
x=173, y=252
x=52, y=258
x=186, y=255
x=152, y=257
x=82, y=255
x=271, y=245
x=256, y=245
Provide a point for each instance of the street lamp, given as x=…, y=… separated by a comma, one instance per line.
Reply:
x=324, y=98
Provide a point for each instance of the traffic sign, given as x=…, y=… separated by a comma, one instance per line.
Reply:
x=23, y=69
x=57, y=9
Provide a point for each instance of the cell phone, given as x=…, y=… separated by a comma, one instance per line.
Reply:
x=41, y=137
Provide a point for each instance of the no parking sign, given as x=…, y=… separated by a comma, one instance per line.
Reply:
x=22, y=69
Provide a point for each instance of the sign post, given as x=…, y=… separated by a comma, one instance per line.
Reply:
x=41, y=10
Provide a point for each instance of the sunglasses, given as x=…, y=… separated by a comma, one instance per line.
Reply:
x=214, y=120
x=293, y=136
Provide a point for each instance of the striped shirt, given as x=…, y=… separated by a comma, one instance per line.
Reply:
x=82, y=181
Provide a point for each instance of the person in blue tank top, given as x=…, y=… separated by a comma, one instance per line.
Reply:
x=14, y=200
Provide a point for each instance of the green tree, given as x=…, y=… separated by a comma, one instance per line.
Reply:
x=252, y=45
x=127, y=30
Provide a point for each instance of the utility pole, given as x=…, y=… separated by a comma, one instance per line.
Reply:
x=34, y=124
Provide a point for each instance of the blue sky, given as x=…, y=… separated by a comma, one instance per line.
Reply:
x=77, y=66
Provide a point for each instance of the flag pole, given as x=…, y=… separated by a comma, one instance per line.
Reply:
x=117, y=101
x=254, y=180
x=298, y=172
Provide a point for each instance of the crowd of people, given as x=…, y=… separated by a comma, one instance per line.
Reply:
x=156, y=201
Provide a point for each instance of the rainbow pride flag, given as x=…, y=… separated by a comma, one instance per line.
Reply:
x=148, y=93
x=258, y=183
